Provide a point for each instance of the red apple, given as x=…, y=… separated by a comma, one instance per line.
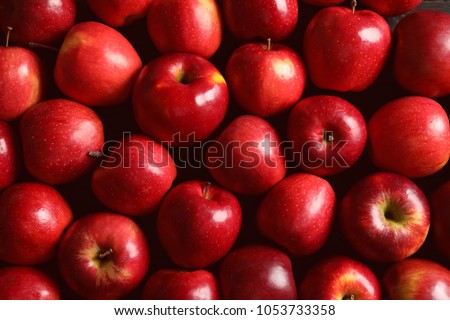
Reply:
x=323, y=3
x=257, y=272
x=410, y=136
x=180, y=98
x=298, y=213
x=143, y=166
x=328, y=133
x=39, y=21
x=265, y=79
x=27, y=283
x=422, y=53
x=190, y=26
x=119, y=13
x=339, y=278
x=440, y=217
x=250, y=19
x=417, y=279
x=246, y=157
x=198, y=223
x=390, y=8
x=9, y=155
x=103, y=256
x=33, y=217
x=168, y=284
x=96, y=65
x=345, y=50
x=385, y=217
x=57, y=137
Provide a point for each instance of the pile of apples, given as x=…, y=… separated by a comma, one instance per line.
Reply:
x=234, y=149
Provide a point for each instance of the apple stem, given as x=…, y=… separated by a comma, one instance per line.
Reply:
x=269, y=44
x=42, y=46
x=7, y=35
x=349, y=297
x=95, y=154
x=106, y=253
x=328, y=136
x=206, y=189
x=354, y=4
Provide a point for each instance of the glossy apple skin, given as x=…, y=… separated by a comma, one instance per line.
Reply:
x=298, y=213
x=27, y=283
x=440, y=217
x=198, y=223
x=10, y=160
x=265, y=19
x=385, y=217
x=410, y=136
x=39, y=21
x=323, y=3
x=96, y=65
x=119, y=13
x=22, y=81
x=142, y=165
x=110, y=277
x=339, y=278
x=257, y=272
x=33, y=217
x=422, y=53
x=417, y=279
x=345, y=51
x=247, y=161
x=180, y=98
x=168, y=284
x=391, y=8
x=57, y=136
x=310, y=124
x=265, y=81
x=190, y=26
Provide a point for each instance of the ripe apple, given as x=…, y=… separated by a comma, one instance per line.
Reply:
x=33, y=217
x=440, y=217
x=385, y=217
x=168, y=284
x=198, y=223
x=410, y=136
x=103, y=256
x=119, y=13
x=142, y=165
x=391, y=8
x=246, y=157
x=265, y=19
x=328, y=133
x=422, y=53
x=180, y=98
x=345, y=50
x=96, y=65
x=339, y=278
x=298, y=213
x=40, y=21
x=265, y=79
x=323, y=3
x=57, y=137
x=190, y=26
x=257, y=272
x=9, y=155
x=417, y=279
x=27, y=283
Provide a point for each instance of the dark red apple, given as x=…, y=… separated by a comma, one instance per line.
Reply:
x=96, y=65
x=417, y=279
x=345, y=50
x=410, y=136
x=198, y=223
x=190, y=26
x=57, y=137
x=265, y=79
x=33, y=217
x=180, y=98
x=298, y=213
x=103, y=256
x=27, y=283
x=440, y=217
x=10, y=161
x=169, y=284
x=119, y=13
x=328, y=134
x=385, y=217
x=265, y=19
x=339, y=278
x=323, y=3
x=142, y=165
x=390, y=8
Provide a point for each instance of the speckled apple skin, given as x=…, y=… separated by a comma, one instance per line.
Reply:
x=119, y=13
x=440, y=217
x=27, y=283
x=10, y=159
x=391, y=8
x=338, y=278
x=57, y=136
x=345, y=51
x=33, y=217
